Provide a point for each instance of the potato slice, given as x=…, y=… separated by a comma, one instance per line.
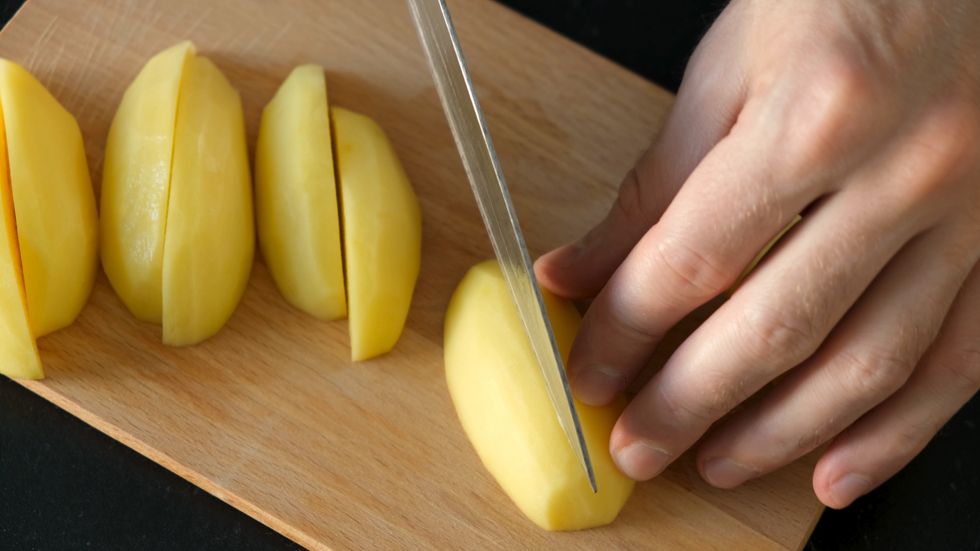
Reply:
x=54, y=204
x=382, y=233
x=209, y=238
x=296, y=196
x=136, y=182
x=502, y=403
x=18, y=352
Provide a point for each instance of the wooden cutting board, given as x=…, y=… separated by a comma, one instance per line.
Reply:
x=270, y=415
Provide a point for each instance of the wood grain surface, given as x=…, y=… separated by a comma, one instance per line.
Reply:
x=270, y=415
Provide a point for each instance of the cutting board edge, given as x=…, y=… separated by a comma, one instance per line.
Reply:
x=14, y=17
x=161, y=458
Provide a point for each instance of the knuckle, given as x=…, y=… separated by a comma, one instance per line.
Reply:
x=876, y=371
x=684, y=412
x=844, y=85
x=963, y=367
x=824, y=119
x=694, y=273
x=710, y=404
x=633, y=324
x=628, y=312
x=808, y=441
x=780, y=337
x=718, y=394
x=811, y=439
x=679, y=409
x=944, y=149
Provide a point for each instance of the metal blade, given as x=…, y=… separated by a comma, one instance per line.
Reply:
x=487, y=180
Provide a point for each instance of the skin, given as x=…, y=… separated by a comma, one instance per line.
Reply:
x=861, y=328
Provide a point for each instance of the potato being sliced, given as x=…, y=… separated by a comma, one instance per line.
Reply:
x=53, y=201
x=382, y=225
x=18, y=352
x=136, y=182
x=209, y=239
x=503, y=405
x=296, y=196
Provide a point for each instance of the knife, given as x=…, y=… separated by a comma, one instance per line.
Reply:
x=452, y=78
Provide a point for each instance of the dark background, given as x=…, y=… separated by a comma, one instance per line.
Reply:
x=64, y=485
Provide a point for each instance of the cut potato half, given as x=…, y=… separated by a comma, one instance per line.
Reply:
x=503, y=405
x=54, y=204
x=296, y=196
x=382, y=224
x=48, y=227
x=18, y=351
x=210, y=238
x=136, y=182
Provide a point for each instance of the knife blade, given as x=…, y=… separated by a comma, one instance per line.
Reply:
x=469, y=128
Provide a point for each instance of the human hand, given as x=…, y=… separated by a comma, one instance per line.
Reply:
x=865, y=116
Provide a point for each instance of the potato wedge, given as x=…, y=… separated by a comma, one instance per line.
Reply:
x=54, y=203
x=136, y=182
x=296, y=196
x=18, y=351
x=48, y=228
x=382, y=224
x=210, y=237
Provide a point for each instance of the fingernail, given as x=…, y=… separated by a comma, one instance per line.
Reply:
x=641, y=460
x=848, y=488
x=727, y=473
x=597, y=385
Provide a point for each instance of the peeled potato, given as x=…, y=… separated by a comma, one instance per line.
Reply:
x=48, y=246
x=178, y=239
x=382, y=225
x=503, y=405
x=296, y=196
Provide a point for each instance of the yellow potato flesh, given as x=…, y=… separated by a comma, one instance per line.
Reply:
x=502, y=403
x=18, y=352
x=209, y=237
x=296, y=196
x=53, y=201
x=382, y=225
x=136, y=183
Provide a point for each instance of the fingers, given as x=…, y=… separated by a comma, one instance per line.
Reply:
x=728, y=210
x=707, y=104
x=777, y=319
x=870, y=354
x=886, y=439
x=743, y=193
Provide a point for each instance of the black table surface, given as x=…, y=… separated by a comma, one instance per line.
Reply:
x=64, y=485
